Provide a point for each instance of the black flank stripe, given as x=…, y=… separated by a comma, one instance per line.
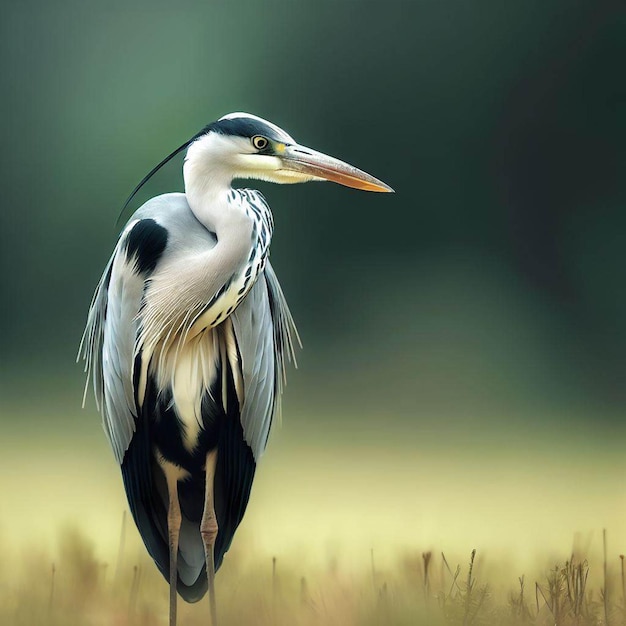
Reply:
x=255, y=210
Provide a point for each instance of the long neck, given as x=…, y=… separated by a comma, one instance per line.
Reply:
x=209, y=194
x=207, y=185
x=242, y=223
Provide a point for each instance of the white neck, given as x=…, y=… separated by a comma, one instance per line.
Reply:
x=207, y=182
x=208, y=176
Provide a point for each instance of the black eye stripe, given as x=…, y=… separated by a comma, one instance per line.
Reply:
x=244, y=127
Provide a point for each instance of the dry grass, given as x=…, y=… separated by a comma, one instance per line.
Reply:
x=422, y=588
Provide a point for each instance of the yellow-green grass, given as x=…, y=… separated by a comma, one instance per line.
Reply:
x=67, y=584
x=324, y=497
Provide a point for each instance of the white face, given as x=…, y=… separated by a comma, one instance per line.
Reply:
x=250, y=162
x=256, y=157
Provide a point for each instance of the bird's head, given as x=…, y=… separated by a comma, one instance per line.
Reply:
x=240, y=145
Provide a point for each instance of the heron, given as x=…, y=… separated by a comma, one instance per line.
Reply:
x=187, y=340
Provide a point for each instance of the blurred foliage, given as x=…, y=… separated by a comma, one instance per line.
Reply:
x=491, y=280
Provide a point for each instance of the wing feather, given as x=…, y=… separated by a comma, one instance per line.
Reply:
x=264, y=331
x=108, y=343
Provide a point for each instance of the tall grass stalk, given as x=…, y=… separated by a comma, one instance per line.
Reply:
x=134, y=591
x=120, y=552
x=426, y=556
x=51, y=598
x=468, y=591
x=304, y=595
x=606, y=592
x=621, y=556
x=274, y=586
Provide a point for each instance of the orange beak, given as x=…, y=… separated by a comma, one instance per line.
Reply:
x=323, y=167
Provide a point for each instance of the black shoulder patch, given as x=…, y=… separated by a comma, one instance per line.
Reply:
x=145, y=244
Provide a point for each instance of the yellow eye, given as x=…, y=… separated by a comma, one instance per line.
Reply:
x=259, y=142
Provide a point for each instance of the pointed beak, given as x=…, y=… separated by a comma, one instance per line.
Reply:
x=305, y=161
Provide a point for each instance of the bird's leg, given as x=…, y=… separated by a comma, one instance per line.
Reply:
x=174, y=519
x=208, y=530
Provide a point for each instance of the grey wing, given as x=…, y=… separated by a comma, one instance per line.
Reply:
x=264, y=330
x=108, y=346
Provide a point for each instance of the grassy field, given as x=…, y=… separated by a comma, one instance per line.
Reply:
x=358, y=522
x=74, y=587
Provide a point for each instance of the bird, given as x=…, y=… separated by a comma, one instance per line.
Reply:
x=187, y=341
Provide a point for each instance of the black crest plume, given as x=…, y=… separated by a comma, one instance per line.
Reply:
x=156, y=168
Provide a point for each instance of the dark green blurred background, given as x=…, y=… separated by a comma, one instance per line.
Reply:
x=483, y=301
